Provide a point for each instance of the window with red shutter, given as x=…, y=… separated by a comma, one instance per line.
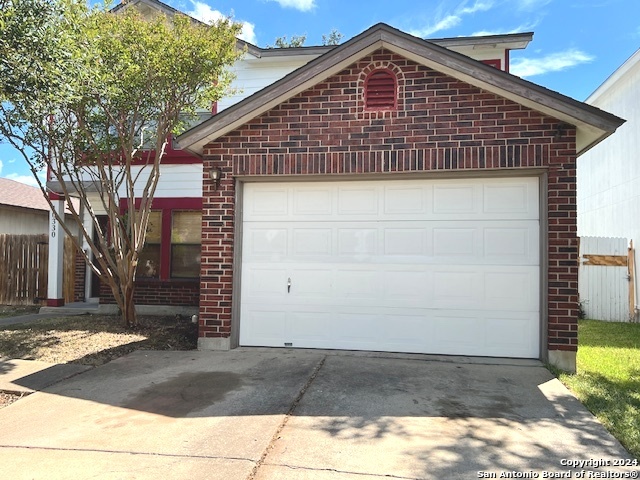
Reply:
x=380, y=92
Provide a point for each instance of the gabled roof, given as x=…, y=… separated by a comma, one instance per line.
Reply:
x=593, y=125
x=16, y=194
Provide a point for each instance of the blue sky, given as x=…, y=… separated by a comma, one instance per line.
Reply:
x=577, y=44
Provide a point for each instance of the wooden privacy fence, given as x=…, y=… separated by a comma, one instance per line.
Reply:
x=606, y=278
x=23, y=269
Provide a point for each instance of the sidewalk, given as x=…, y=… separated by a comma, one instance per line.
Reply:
x=70, y=309
x=28, y=376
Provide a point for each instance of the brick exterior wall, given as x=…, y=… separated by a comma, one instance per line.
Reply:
x=441, y=124
x=177, y=293
x=79, y=278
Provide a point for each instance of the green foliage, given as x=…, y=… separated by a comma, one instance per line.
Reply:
x=333, y=38
x=32, y=41
x=85, y=91
x=608, y=377
x=295, y=41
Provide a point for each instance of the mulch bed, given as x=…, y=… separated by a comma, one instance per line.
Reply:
x=92, y=340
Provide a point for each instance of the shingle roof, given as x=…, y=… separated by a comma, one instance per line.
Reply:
x=592, y=124
x=18, y=194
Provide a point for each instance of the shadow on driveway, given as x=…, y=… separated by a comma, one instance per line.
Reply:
x=303, y=414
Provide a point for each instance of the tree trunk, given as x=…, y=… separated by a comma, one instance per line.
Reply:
x=128, y=305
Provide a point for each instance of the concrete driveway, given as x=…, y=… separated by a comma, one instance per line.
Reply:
x=294, y=414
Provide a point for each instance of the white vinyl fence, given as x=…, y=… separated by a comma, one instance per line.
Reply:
x=605, y=281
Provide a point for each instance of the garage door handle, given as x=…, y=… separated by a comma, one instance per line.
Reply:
x=289, y=285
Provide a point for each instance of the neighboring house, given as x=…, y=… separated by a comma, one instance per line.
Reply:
x=609, y=174
x=388, y=194
x=23, y=209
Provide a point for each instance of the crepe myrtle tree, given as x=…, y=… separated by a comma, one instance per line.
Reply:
x=87, y=94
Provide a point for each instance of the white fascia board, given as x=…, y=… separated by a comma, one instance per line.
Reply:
x=632, y=62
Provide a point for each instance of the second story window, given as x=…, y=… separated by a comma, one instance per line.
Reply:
x=380, y=90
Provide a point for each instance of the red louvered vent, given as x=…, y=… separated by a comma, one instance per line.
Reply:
x=380, y=90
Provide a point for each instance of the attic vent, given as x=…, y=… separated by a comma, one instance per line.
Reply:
x=380, y=90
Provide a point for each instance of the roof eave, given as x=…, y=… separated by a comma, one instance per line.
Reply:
x=509, y=41
x=593, y=124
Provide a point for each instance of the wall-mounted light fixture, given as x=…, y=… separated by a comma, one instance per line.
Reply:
x=215, y=174
x=561, y=129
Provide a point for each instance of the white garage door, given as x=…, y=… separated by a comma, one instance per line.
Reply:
x=428, y=266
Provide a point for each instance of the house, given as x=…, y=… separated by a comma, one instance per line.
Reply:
x=23, y=209
x=609, y=174
x=24, y=212
x=387, y=194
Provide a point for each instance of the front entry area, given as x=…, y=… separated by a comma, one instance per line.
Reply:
x=423, y=266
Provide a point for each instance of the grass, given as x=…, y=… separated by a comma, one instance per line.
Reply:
x=608, y=377
x=15, y=310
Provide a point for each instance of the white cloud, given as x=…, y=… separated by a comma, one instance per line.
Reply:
x=248, y=33
x=450, y=20
x=531, y=4
x=554, y=62
x=206, y=14
x=19, y=177
x=527, y=27
x=447, y=22
x=478, y=6
x=302, y=5
x=28, y=179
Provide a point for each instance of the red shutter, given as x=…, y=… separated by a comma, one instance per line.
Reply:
x=494, y=63
x=380, y=90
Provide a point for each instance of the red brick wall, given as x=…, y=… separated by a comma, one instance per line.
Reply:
x=154, y=292
x=79, y=278
x=441, y=124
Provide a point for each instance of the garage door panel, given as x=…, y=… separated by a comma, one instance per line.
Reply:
x=310, y=283
x=457, y=289
x=408, y=331
x=358, y=243
x=457, y=199
x=455, y=242
x=412, y=286
x=269, y=201
x=262, y=282
x=358, y=200
x=357, y=331
x=511, y=197
x=404, y=200
x=263, y=327
x=351, y=284
x=513, y=241
x=428, y=266
x=310, y=329
x=312, y=202
x=512, y=290
x=268, y=242
x=311, y=242
x=458, y=332
x=405, y=242
x=398, y=200
x=513, y=332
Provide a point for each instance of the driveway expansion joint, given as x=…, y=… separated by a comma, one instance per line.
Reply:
x=335, y=470
x=127, y=452
x=287, y=415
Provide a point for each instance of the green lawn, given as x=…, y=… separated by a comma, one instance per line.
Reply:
x=608, y=378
